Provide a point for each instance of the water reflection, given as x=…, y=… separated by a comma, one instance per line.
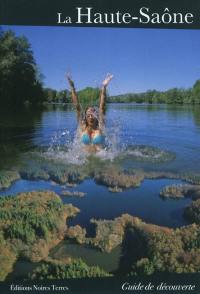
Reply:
x=16, y=133
x=170, y=127
x=196, y=115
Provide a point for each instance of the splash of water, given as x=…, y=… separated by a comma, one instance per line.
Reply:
x=66, y=148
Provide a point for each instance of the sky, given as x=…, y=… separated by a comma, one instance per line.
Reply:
x=139, y=59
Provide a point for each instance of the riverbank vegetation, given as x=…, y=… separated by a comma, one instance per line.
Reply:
x=31, y=224
x=90, y=95
x=61, y=270
x=171, y=96
x=22, y=83
x=148, y=248
x=87, y=95
x=20, y=78
x=181, y=191
x=38, y=165
x=7, y=178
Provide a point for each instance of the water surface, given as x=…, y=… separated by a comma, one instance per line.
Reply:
x=168, y=127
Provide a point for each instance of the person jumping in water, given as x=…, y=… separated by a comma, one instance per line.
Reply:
x=91, y=124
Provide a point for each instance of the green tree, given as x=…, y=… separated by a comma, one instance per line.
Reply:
x=50, y=94
x=58, y=270
x=20, y=79
x=63, y=96
x=89, y=95
x=196, y=92
x=173, y=96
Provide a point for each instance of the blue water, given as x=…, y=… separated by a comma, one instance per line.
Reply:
x=169, y=127
x=99, y=203
x=172, y=128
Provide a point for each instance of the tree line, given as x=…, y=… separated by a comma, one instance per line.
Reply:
x=87, y=95
x=21, y=81
x=171, y=96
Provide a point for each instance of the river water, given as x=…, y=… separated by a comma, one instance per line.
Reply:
x=168, y=127
x=172, y=128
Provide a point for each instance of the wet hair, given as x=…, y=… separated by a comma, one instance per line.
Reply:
x=96, y=117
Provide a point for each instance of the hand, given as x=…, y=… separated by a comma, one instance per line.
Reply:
x=107, y=80
x=68, y=77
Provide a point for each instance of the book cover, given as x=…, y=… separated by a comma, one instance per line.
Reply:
x=99, y=153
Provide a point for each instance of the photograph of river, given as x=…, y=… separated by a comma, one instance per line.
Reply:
x=99, y=152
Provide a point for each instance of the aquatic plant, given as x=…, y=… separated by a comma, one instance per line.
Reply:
x=115, y=189
x=172, y=252
x=31, y=223
x=147, y=248
x=191, y=178
x=180, y=191
x=77, y=233
x=7, y=178
x=110, y=233
x=192, y=212
x=7, y=257
x=73, y=193
x=175, y=191
x=147, y=153
x=150, y=174
x=190, y=236
x=38, y=166
x=59, y=270
x=45, y=165
x=117, y=178
x=34, y=172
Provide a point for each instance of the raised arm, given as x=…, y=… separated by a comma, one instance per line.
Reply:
x=74, y=98
x=102, y=102
x=102, y=99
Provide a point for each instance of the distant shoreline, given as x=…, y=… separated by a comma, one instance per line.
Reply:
x=125, y=102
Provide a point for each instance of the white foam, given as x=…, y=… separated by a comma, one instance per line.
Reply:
x=65, y=148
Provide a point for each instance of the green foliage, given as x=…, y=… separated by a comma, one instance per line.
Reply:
x=34, y=172
x=20, y=230
x=88, y=95
x=7, y=259
x=63, y=96
x=19, y=76
x=76, y=269
x=30, y=224
x=7, y=177
x=2, y=240
x=29, y=220
x=41, y=167
x=144, y=266
x=50, y=94
x=192, y=212
x=196, y=92
x=171, y=96
x=21, y=81
x=53, y=96
x=177, y=252
x=190, y=236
